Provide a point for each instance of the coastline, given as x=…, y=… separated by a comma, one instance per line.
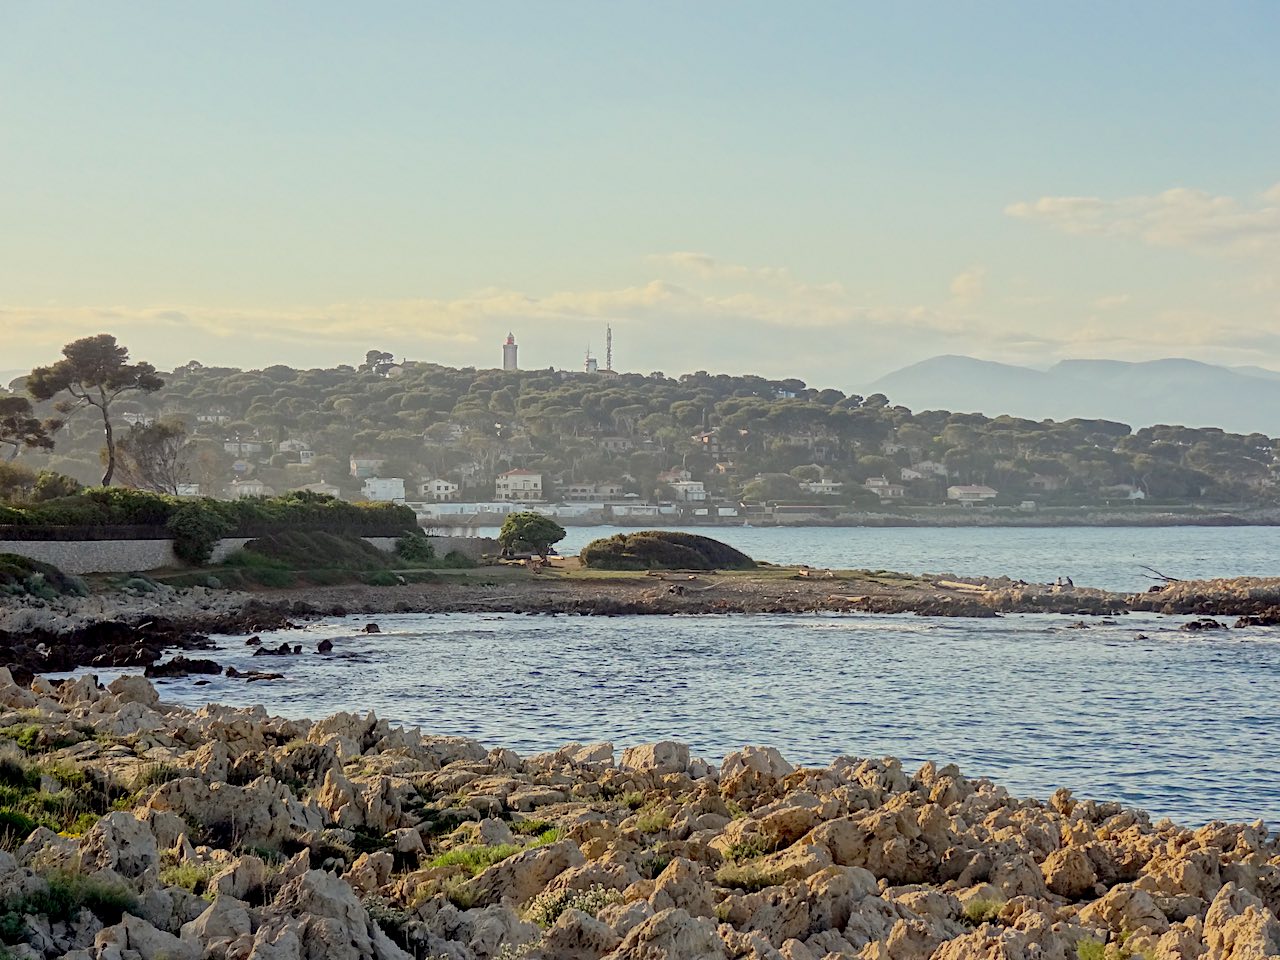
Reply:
x=136, y=629
x=226, y=832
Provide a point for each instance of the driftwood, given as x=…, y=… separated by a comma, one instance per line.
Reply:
x=1158, y=574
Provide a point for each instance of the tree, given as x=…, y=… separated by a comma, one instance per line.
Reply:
x=530, y=531
x=95, y=371
x=157, y=457
x=19, y=427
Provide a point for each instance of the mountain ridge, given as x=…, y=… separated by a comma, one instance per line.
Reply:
x=1140, y=393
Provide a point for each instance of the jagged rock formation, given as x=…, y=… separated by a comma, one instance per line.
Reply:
x=256, y=838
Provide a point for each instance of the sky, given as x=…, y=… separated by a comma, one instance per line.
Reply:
x=828, y=190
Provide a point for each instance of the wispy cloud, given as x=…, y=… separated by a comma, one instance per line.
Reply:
x=1112, y=301
x=969, y=286
x=1181, y=217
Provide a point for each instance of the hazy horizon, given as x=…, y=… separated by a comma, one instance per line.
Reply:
x=830, y=193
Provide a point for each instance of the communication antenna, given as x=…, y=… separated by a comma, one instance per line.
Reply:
x=608, y=348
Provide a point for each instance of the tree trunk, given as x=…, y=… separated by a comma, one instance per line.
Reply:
x=111, y=448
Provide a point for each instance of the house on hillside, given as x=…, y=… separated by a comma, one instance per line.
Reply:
x=438, y=490
x=822, y=488
x=365, y=465
x=930, y=468
x=616, y=444
x=1123, y=491
x=249, y=488
x=1045, y=483
x=518, y=484
x=967, y=495
x=689, y=491
x=383, y=489
x=674, y=475
x=884, y=488
x=241, y=448
x=322, y=488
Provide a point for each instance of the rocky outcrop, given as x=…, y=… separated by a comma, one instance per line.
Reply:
x=252, y=837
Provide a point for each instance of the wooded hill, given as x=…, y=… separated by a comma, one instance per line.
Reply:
x=741, y=435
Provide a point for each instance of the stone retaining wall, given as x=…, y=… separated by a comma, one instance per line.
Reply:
x=472, y=547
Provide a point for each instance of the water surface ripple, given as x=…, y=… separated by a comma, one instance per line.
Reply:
x=1182, y=724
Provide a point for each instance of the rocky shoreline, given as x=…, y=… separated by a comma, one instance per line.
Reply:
x=226, y=833
x=129, y=629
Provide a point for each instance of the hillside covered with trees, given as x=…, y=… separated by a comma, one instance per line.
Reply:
x=741, y=436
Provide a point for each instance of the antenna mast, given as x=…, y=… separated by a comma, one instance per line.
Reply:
x=608, y=348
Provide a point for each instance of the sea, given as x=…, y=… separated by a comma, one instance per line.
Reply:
x=1131, y=708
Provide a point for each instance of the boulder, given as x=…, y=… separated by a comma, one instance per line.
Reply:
x=658, y=759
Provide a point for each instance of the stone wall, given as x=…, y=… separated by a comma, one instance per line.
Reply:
x=472, y=547
x=96, y=556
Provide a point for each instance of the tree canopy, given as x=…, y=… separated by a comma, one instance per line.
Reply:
x=530, y=531
x=94, y=371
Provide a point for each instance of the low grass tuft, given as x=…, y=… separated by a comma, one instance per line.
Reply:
x=980, y=910
x=472, y=860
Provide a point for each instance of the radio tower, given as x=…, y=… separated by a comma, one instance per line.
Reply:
x=608, y=348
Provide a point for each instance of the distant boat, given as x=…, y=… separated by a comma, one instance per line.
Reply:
x=746, y=523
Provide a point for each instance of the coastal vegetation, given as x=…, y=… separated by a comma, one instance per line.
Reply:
x=741, y=436
x=529, y=531
x=196, y=524
x=662, y=550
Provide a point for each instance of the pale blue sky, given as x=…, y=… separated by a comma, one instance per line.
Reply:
x=827, y=190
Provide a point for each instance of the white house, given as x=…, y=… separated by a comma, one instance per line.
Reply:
x=1123, y=491
x=440, y=491
x=689, y=491
x=249, y=488
x=822, y=488
x=138, y=419
x=518, y=484
x=366, y=465
x=969, y=494
x=883, y=488
x=929, y=468
x=241, y=447
x=322, y=488
x=384, y=489
x=674, y=475
x=188, y=490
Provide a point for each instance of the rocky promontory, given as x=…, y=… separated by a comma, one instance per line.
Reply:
x=141, y=830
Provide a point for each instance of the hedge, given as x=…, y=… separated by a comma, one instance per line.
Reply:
x=195, y=525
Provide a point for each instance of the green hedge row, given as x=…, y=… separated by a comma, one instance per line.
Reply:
x=196, y=525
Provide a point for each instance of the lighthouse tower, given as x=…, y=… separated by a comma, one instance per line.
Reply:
x=509, y=353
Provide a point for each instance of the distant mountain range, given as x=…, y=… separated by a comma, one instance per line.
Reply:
x=1173, y=391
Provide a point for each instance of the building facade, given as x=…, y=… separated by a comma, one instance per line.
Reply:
x=524, y=485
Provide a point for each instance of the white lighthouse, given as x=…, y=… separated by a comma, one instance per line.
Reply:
x=509, y=353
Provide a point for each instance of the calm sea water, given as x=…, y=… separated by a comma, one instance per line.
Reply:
x=1106, y=557
x=1185, y=725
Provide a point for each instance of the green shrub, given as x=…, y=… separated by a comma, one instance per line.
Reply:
x=415, y=548
x=64, y=896
x=192, y=877
x=196, y=528
x=751, y=876
x=979, y=911
x=662, y=550
x=22, y=576
x=653, y=821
